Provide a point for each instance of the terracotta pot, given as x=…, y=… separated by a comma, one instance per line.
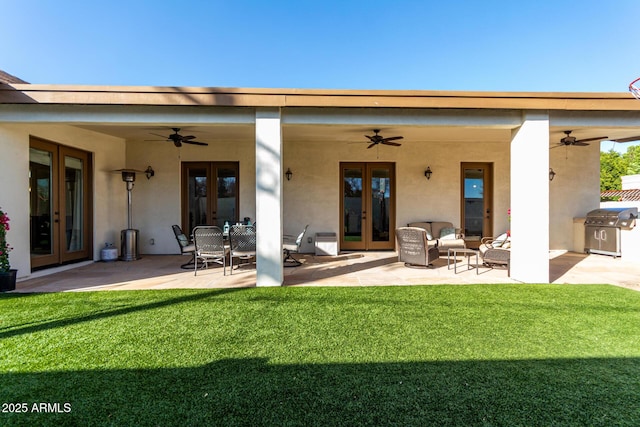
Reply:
x=8, y=280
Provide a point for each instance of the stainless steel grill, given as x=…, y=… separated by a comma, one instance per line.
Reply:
x=602, y=229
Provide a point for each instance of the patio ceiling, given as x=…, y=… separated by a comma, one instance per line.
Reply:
x=321, y=133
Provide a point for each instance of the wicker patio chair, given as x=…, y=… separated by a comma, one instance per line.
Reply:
x=242, y=239
x=496, y=251
x=413, y=248
x=209, y=247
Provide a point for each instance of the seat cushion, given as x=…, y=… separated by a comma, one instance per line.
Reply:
x=447, y=233
x=445, y=244
x=437, y=226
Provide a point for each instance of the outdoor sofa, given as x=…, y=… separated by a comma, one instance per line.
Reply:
x=441, y=234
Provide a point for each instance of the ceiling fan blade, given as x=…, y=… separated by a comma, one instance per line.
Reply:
x=592, y=139
x=195, y=142
x=580, y=143
x=628, y=139
x=395, y=144
x=556, y=146
x=188, y=137
x=161, y=136
x=373, y=144
x=371, y=138
x=392, y=138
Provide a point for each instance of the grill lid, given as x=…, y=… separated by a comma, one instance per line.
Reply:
x=612, y=217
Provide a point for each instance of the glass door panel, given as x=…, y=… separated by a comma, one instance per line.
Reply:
x=197, y=190
x=41, y=202
x=380, y=204
x=473, y=203
x=352, y=206
x=477, y=201
x=74, y=204
x=226, y=195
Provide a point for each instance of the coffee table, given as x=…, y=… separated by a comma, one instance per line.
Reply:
x=453, y=252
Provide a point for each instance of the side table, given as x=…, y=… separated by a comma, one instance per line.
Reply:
x=453, y=252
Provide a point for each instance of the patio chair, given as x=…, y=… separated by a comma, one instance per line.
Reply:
x=209, y=247
x=496, y=251
x=186, y=247
x=291, y=245
x=242, y=239
x=413, y=247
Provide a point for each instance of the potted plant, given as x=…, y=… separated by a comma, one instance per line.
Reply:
x=7, y=275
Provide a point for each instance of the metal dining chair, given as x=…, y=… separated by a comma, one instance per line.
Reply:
x=186, y=247
x=242, y=240
x=209, y=247
x=291, y=245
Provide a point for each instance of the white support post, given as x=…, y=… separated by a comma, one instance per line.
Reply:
x=530, y=199
x=270, y=271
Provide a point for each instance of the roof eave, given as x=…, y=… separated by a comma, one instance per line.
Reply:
x=266, y=97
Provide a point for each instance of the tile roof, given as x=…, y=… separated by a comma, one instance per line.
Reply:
x=623, y=195
x=9, y=79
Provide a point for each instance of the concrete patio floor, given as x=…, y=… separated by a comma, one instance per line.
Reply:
x=348, y=269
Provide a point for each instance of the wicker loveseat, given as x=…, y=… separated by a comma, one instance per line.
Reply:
x=441, y=234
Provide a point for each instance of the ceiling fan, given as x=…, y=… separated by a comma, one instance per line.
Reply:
x=379, y=139
x=572, y=140
x=178, y=139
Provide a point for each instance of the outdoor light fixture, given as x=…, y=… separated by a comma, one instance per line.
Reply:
x=552, y=174
x=289, y=174
x=427, y=173
x=149, y=172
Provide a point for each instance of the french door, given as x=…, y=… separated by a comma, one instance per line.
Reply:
x=59, y=204
x=367, y=204
x=476, y=201
x=209, y=194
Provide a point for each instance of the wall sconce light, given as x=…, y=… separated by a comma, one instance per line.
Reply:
x=149, y=172
x=428, y=172
x=552, y=174
x=289, y=174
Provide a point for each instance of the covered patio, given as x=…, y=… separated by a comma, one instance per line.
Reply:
x=320, y=136
x=347, y=269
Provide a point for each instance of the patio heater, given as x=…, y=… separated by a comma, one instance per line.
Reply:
x=129, y=237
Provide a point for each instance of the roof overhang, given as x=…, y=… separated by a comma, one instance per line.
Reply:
x=283, y=98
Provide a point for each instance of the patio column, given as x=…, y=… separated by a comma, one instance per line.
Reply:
x=530, y=199
x=269, y=266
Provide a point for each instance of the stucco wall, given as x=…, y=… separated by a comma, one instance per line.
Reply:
x=574, y=191
x=108, y=154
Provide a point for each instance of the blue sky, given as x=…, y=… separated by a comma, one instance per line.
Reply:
x=555, y=45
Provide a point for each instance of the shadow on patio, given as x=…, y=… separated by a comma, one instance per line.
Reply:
x=348, y=269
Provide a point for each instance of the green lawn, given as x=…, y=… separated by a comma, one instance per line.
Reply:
x=529, y=355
